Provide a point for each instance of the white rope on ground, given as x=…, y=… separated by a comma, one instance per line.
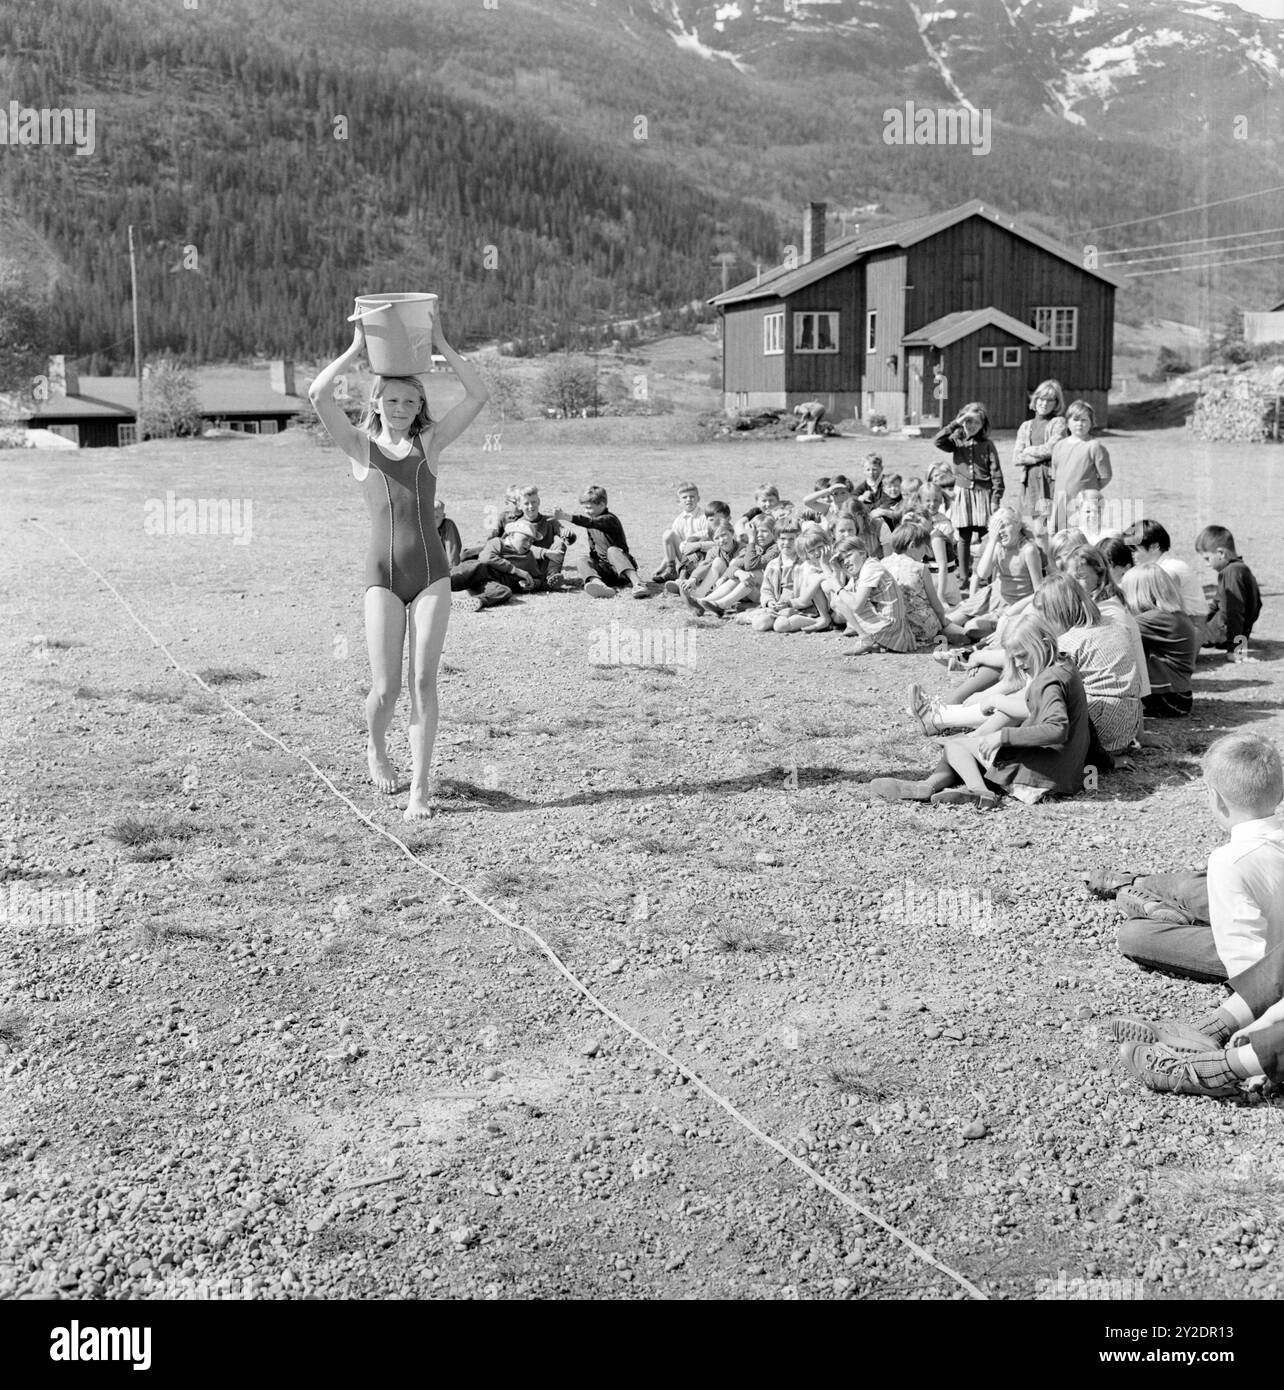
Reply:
x=819, y=1179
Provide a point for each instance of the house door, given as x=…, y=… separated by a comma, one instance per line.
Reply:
x=919, y=405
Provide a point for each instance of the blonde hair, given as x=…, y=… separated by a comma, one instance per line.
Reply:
x=372, y=417
x=1029, y=646
x=1150, y=587
x=1246, y=771
x=1062, y=603
x=1063, y=542
x=1050, y=385
x=845, y=549
x=813, y=541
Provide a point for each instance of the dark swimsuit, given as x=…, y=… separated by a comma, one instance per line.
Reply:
x=406, y=553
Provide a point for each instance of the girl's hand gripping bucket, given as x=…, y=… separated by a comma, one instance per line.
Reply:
x=398, y=329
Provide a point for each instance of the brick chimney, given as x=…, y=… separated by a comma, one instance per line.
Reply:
x=64, y=380
x=813, y=232
x=282, y=377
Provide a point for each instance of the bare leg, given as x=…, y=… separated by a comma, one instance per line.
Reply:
x=982, y=678
x=429, y=615
x=960, y=753
x=385, y=637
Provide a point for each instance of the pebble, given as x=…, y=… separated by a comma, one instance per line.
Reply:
x=591, y=1048
x=933, y=1031
x=976, y=1130
x=492, y=1074
x=464, y=1236
x=614, y=967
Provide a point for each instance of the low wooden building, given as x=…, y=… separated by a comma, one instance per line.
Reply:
x=101, y=411
x=912, y=320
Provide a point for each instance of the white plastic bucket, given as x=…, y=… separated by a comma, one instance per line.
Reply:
x=398, y=330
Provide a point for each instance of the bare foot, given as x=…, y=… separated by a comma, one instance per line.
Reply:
x=420, y=805
x=382, y=772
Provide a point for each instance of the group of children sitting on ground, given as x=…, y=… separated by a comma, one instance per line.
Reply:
x=1066, y=634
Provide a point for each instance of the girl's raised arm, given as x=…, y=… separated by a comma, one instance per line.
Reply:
x=321, y=393
x=457, y=419
x=985, y=564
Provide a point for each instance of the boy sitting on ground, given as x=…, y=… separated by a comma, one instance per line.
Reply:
x=550, y=542
x=697, y=553
x=690, y=523
x=1213, y=926
x=608, y=567
x=1223, y=1051
x=510, y=560
x=1238, y=604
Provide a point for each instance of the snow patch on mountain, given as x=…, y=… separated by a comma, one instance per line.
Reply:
x=922, y=21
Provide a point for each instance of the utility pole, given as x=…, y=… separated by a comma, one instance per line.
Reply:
x=138, y=345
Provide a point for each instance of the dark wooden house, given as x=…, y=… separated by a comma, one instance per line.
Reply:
x=101, y=411
x=914, y=319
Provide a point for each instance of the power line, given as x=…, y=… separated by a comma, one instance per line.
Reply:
x=1191, y=241
x=1168, y=270
x=1197, y=207
x=1211, y=251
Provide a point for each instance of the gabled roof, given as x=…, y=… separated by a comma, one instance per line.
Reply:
x=89, y=407
x=220, y=391
x=949, y=329
x=780, y=281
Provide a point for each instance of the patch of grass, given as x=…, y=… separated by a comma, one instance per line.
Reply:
x=560, y=943
x=13, y=1027
x=55, y=644
x=234, y=873
x=747, y=937
x=137, y=831
x=656, y=844
x=154, y=934
x=851, y=1081
x=604, y=673
x=1249, y=1187
x=582, y=721
x=155, y=697
x=448, y=668
x=89, y=692
x=229, y=675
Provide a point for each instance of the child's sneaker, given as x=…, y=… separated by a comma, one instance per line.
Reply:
x=466, y=602
x=598, y=589
x=674, y=587
x=1171, y=1072
x=664, y=574
x=1138, y=905
x=1180, y=1036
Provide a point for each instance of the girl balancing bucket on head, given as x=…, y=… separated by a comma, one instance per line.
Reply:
x=398, y=332
x=395, y=455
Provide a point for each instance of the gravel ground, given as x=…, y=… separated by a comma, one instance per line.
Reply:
x=247, y=1049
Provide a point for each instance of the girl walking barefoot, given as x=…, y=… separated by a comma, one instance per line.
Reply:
x=394, y=455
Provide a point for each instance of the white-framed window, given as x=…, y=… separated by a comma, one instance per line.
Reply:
x=871, y=331
x=815, y=331
x=126, y=434
x=988, y=357
x=1061, y=326
x=71, y=432
x=269, y=427
x=773, y=334
x=243, y=426
x=1011, y=356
